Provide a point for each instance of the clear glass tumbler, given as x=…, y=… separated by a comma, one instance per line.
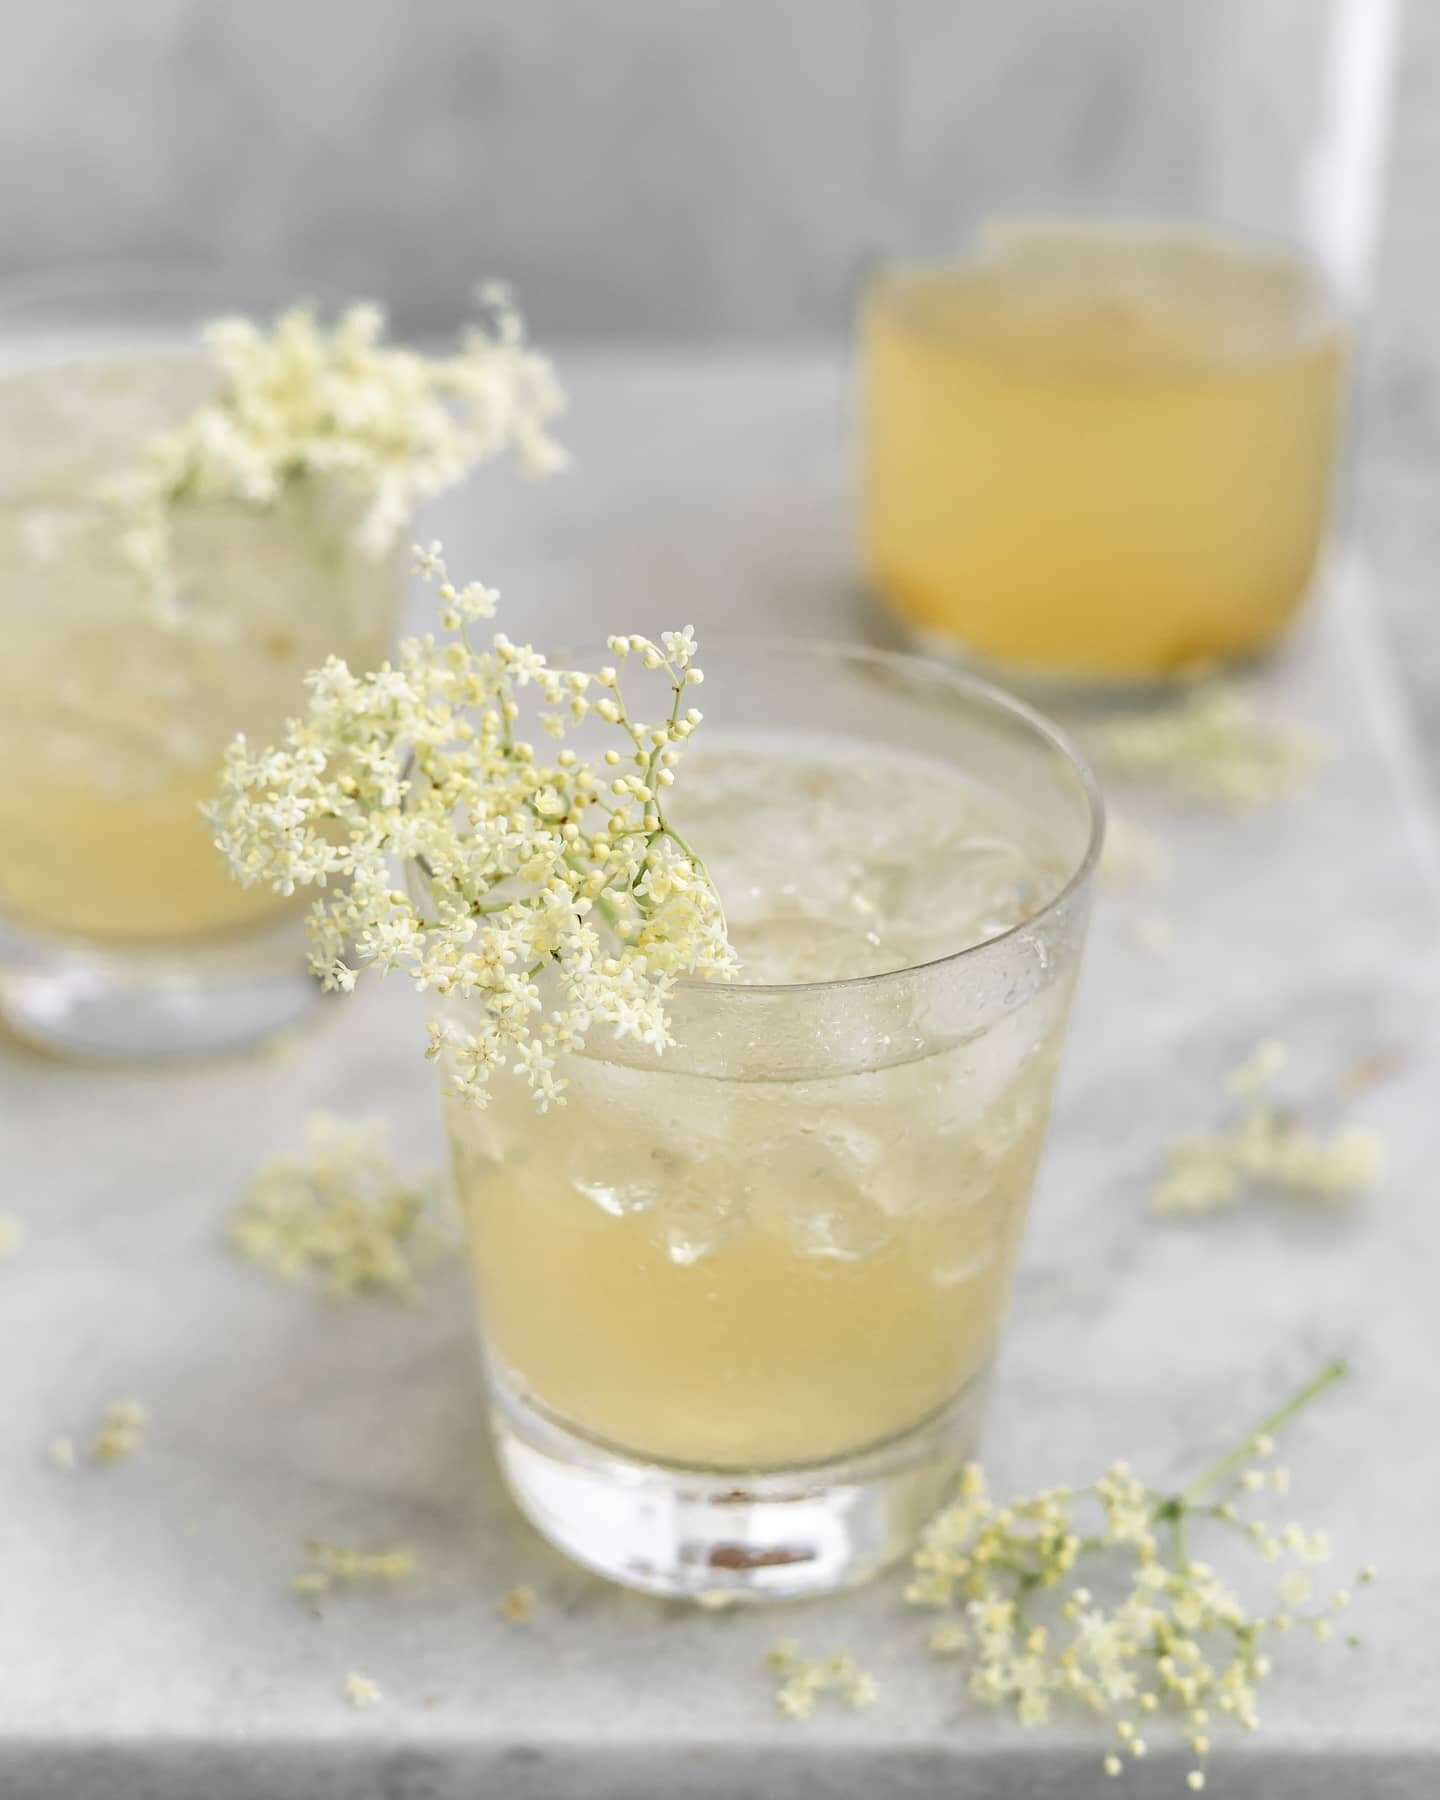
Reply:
x=121, y=933
x=738, y=1303
x=1126, y=249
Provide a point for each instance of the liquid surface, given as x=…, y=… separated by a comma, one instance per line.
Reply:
x=838, y=862
x=113, y=722
x=745, y=1274
x=1099, y=450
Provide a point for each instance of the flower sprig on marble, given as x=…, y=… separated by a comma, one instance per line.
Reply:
x=527, y=864
x=802, y=1680
x=1265, y=1147
x=387, y=427
x=119, y=1435
x=1118, y=1615
x=1214, y=745
x=341, y=1210
x=332, y=1566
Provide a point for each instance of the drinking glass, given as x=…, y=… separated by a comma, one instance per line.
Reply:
x=738, y=1303
x=121, y=933
x=1125, y=250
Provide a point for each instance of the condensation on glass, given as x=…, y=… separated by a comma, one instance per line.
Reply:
x=739, y=1302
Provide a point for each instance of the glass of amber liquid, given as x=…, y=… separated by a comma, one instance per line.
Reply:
x=739, y=1302
x=1102, y=384
x=121, y=934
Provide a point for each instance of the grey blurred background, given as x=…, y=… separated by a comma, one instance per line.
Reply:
x=686, y=171
x=690, y=169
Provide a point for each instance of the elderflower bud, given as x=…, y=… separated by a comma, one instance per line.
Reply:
x=507, y=868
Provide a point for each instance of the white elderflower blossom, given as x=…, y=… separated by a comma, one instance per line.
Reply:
x=342, y=1210
x=804, y=1679
x=552, y=897
x=120, y=1433
x=386, y=428
x=362, y=1692
x=1265, y=1147
x=334, y=1566
x=516, y=1606
x=1215, y=746
x=1169, y=1632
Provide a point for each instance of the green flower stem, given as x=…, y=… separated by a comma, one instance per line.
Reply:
x=1245, y=1449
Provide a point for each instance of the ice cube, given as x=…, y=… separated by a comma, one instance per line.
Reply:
x=815, y=1188
x=700, y=1209
x=622, y=1200
x=846, y=1225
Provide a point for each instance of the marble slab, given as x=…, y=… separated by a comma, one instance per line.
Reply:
x=148, y=1643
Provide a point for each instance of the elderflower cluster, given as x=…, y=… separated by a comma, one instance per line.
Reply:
x=1214, y=746
x=340, y=1210
x=387, y=427
x=341, y=1565
x=516, y=1606
x=803, y=1679
x=120, y=1432
x=362, y=1692
x=548, y=893
x=1092, y=1596
x=1265, y=1147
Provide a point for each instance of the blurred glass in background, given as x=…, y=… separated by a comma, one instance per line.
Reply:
x=1125, y=250
x=121, y=932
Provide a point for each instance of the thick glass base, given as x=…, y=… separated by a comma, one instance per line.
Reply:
x=142, y=1004
x=722, y=1536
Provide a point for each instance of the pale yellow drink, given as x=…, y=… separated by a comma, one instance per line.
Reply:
x=112, y=718
x=753, y=1273
x=1100, y=451
x=121, y=867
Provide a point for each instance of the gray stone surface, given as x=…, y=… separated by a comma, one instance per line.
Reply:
x=1398, y=523
x=148, y=1644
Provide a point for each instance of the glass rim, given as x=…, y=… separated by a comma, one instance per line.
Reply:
x=146, y=297
x=968, y=687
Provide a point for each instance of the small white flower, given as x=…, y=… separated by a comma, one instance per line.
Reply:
x=533, y=867
x=341, y=1212
x=384, y=426
x=1168, y=1633
x=362, y=1692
